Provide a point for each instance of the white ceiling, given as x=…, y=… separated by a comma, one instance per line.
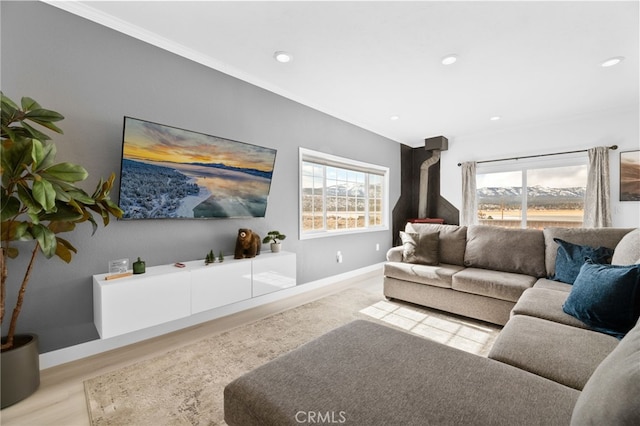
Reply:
x=363, y=62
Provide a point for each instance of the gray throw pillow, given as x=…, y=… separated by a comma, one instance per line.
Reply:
x=420, y=248
x=453, y=240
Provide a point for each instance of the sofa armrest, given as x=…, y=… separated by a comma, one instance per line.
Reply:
x=395, y=254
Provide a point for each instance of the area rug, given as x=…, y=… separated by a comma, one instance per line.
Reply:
x=185, y=386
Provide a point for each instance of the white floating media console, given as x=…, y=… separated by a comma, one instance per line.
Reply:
x=167, y=293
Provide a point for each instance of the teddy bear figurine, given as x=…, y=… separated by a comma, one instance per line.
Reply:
x=247, y=244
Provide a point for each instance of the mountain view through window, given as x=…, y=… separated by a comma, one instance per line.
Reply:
x=553, y=197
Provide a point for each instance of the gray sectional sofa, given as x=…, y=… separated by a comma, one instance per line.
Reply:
x=545, y=368
x=482, y=271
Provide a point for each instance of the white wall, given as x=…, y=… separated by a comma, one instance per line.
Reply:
x=620, y=127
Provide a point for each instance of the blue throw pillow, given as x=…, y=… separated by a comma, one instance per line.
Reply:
x=571, y=257
x=606, y=297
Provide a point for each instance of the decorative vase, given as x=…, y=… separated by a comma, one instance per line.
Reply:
x=138, y=266
x=20, y=369
x=275, y=247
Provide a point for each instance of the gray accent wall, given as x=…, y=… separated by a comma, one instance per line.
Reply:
x=94, y=76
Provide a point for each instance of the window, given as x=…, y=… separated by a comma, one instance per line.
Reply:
x=554, y=194
x=338, y=195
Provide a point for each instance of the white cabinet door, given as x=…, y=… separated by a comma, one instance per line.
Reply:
x=220, y=284
x=273, y=272
x=133, y=303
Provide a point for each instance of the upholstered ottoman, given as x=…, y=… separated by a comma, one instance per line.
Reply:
x=368, y=374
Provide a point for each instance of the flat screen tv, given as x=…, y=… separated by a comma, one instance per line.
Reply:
x=171, y=173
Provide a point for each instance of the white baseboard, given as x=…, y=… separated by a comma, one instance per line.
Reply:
x=94, y=347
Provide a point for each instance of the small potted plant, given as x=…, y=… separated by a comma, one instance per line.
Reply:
x=274, y=237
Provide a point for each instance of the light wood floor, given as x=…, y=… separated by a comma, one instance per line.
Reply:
x=60, y=400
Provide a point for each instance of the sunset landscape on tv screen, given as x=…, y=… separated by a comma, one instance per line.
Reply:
x=169, y=172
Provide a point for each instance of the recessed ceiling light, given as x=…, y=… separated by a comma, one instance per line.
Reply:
x=449, y=59
x=612, y=61
x=394, y=117
x=495, y=118
x=283, y=57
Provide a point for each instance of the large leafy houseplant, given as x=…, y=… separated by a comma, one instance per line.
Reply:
x=39, y=198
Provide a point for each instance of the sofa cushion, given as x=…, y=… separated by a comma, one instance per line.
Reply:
x=439, y=276
x=571, y=257
x=564, y=354
x=420, y=248
x=606, y=297
x=519, y=251
x=375, y=375
x=496, y=284
x=607, y=237
x=547, y=304
x=552, y=285
x=627, y=251
x=610, y=396
x=453, y=240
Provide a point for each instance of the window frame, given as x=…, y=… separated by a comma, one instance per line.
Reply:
x=524, y=165
x=330, y=160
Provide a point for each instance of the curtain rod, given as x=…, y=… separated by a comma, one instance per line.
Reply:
x=612, y=147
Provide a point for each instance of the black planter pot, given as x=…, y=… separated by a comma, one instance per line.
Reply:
x=20, y=369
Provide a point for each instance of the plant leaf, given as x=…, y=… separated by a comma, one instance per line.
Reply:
x=34, y=217
x=113, y=208
x=10, y=207
x=60, y=226
x=21, y=231
x=37, y=151
x=44, y=115
x=44, y=194
x=7, y=132
x=45, y=118
x=80, y=196
x=67, y=172
x=12, y=252
x=46, y=238
x=15, y=157
x=7, y=103
x=61, y=194
x=14, y=231
x=35, y=133
x=26, y=197
x=49, y=151
x=94, y=225
x=64, y=249
x=29, y=104
x=64, y=213
x=67, y=244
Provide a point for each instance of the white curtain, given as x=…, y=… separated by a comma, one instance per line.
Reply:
x=468, y=215
x=597, y=202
